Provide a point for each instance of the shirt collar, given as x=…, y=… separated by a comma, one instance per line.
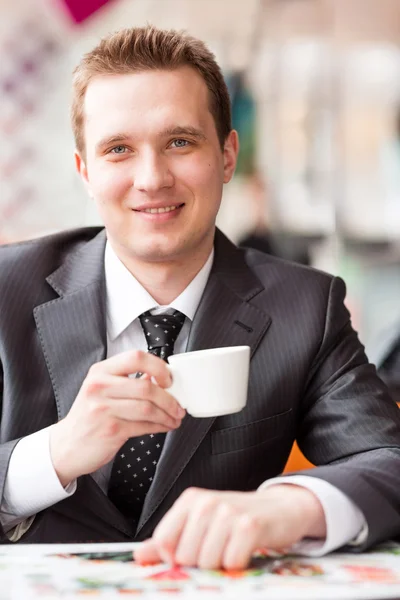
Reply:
x=127, y=298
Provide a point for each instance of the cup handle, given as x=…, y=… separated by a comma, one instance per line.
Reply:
x=171, y=388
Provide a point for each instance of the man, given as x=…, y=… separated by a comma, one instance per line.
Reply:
x=154, y=143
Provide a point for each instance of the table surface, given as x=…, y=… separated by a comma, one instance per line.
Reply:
x=108, y=571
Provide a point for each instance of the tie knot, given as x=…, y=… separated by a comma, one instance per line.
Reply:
x=161, y=331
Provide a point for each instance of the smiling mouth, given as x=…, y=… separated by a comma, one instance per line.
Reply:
x=163, y=209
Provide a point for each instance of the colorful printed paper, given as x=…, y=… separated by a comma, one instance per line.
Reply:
x=108, y=571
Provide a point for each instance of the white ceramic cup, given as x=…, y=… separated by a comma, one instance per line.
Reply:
x=210, y=383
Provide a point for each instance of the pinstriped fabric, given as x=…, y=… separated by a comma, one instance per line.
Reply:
x=309, y=379
x=252, y=434
x=68, y=361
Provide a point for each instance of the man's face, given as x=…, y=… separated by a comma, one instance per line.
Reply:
x=154, y=164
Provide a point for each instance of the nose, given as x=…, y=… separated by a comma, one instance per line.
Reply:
x=151, y=172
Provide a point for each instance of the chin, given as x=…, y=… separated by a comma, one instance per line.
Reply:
x=155, y=253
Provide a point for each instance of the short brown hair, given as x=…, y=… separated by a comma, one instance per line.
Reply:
x=141, y=49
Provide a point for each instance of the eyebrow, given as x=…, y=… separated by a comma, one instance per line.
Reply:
x=120, y=138
x=187, y=130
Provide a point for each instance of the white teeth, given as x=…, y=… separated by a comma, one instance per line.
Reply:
x=160, y=210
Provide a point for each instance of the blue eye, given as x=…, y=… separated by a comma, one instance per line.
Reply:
x=180, y=143
x=118, y=149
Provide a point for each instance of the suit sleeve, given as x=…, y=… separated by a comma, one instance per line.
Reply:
x=6, y=449
x=351, y=426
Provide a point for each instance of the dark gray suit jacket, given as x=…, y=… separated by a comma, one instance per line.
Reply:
x=309, y=380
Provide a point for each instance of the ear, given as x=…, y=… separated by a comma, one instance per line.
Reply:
x=231, y=151
x=83, y=172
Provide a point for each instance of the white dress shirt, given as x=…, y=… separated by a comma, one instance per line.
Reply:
x=31, y=463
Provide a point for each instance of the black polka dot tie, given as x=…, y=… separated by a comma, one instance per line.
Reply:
x=161, y=332
x=136, y=462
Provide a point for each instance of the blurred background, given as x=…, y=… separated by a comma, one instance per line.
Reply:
x=315, y=87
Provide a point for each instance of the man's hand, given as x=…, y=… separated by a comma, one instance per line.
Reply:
x=212, y=529
x=109, y=409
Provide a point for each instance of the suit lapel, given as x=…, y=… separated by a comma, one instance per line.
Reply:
x=224, y=317
x=72, y=328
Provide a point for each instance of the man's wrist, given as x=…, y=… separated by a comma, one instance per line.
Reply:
x=60, y=458
x=307, y=505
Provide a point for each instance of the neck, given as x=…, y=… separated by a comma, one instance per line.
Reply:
x=165, y=281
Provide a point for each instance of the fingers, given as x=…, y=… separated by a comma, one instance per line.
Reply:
x=135, y=361
x=243, y=540
x=143, y=428
x=211, y=554
x=138, y=411
x=143, y=389
x=147, y=553
x=207, y=529
x=195, y=531
x=213, y=534
x=168, y=532
x=133, y=399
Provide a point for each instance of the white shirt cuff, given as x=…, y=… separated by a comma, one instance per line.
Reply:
x=345, y=523
x=31, y=483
